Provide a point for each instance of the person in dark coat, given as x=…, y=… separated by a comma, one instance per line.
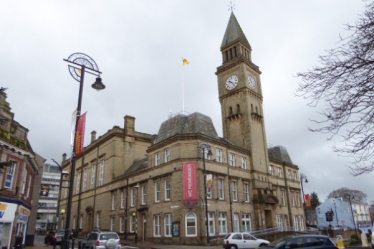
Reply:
x=19, y=241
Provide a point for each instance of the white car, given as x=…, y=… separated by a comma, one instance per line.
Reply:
x=242, y=241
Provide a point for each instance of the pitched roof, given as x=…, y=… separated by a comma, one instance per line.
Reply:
x=233, y=33
x=138, y=165
x=279, y=153
x=186, y=124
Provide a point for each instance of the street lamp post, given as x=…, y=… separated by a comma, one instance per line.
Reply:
x=336, y=213
x=62, y=173
x=206, y=148
x=350, y=204
x=81, y=63
x=302, y=179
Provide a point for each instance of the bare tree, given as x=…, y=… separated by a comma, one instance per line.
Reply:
x=344, y=82
x=357, y=195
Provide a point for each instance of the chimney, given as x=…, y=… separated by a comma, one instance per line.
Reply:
x=93, y=136
x=63, y=157
x=129, y=126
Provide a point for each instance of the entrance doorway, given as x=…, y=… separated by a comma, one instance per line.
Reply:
x=268, y=219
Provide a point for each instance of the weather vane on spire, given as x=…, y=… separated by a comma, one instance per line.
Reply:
x=231, y=6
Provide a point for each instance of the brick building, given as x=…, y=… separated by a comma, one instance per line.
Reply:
x=153, y=185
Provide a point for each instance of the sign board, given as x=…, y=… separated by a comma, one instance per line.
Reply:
x=329, y=216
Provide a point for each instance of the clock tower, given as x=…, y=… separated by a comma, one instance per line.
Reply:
x=240, y=95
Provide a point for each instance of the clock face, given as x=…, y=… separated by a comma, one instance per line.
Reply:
x=252, y=81
x=232, y=82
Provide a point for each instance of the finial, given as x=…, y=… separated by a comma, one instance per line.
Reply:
x=231, y=7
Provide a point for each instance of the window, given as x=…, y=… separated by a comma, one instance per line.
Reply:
x=222, y=225
x=156, y=226
x=246, y=223
x=236, y=222
x=122, y=199
x=84, y=180
x=211, y=224
x=209, y=185
x=157, y=159
x=279, y=222
x=295, y=176
x=280, y=172
x=93, y=175
x=112, y=224
x=283, y=197
x=296, y=223
x=29, y=187
x=78, y=183
x=293, y=198
x=98, y=220
x=9, y=175
x=301, y=220
x=219, y=155
x=221, y=194
x=66, y=190
x=133, y=194
x=157, y=192
x=167, y=225
x=132, y=223
x=167, y=190
x=206, y=153
x=298, y=199
x=271, y=170
x=289, y=174
x=191, y=229
x=234, y=191
x=232, y=159
x=167, y=155
x=246, y=192
x=113, y=202
x=24, y=182
x=101, y=176
x=81, y=222
x=144, y=195
x=121, y=224
x=244, y=162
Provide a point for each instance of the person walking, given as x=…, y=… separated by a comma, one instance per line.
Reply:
x=19, y=241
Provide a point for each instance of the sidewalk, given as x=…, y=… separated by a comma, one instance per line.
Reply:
x=127, y=244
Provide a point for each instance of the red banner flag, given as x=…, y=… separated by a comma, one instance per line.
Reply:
x=308, y=203
x=190, y=196
x=79, y=141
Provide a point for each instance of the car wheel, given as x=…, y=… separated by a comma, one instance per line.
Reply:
x=263, y=245
x=233, y=247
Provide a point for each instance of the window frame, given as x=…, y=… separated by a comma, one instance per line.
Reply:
x=93, y=176
x=157, y=159
x=246, y=192
x=167, y=225
x=144, y=195
x=102, y=170
x=222, y=223
x=232, y=159
x=189, y=218
x=167, y=190
x=221, y=189
x=157, y=192
x=156, y=225
x=167, y=155
x=244, y=162
x=234, y=190
x=219, y=155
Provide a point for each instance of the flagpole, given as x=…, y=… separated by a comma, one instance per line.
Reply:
x=182, y=86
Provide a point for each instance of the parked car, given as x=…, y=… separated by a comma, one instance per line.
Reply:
x=303, y=241
x=103, y=240
x=54, y=236
x=242, y=240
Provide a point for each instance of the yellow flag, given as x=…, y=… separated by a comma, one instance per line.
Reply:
x=185, y=61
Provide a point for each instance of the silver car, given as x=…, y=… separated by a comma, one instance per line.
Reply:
x=103, y=240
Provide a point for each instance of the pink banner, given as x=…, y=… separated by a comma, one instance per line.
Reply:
x=80, y=135
x=190, y=190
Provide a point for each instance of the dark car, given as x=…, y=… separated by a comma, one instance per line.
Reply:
x=303, y=241
x=54, y=236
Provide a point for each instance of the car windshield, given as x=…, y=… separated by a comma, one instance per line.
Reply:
x=227, y=236
x=279, y=242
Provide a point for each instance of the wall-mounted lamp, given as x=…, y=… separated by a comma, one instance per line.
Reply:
x=62, y=211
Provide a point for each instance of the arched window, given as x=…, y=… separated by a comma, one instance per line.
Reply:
x=191, y=225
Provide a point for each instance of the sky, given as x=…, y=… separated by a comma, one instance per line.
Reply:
x=139, y=45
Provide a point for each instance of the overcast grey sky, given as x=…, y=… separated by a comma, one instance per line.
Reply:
x=138, y=45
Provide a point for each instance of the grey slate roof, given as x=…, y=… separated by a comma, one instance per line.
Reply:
x=138, y=165
x=186, y=124
x=234, y=32
x=279, y=153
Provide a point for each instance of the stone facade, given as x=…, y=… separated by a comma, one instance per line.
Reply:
x=136, y=183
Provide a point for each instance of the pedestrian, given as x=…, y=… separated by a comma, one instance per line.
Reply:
x=19, y=241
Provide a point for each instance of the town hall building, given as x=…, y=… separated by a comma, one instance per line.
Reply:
x=164, y=187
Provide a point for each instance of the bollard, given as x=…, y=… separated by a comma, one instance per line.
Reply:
x=339, y=242
x=79, y=244
x=72, y=243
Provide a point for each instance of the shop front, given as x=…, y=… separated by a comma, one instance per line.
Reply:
x=7, y=215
